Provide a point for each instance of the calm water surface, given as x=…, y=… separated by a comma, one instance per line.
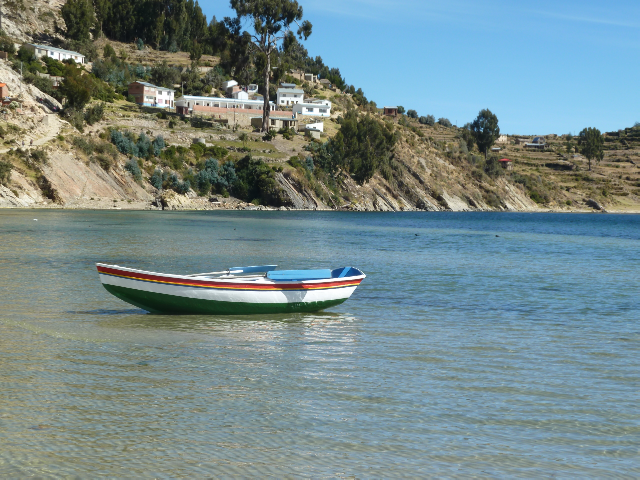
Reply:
x=480, y=344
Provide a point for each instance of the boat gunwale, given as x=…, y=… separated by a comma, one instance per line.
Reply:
x=259, y=280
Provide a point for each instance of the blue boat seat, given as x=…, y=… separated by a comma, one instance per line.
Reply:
x=345, y=272
x=299, y=275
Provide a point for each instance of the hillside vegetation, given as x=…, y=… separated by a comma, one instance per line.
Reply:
x=104, y=152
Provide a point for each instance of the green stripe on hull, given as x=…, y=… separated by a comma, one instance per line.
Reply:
x=172, y=304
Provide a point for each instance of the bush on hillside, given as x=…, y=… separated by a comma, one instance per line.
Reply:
x=123, y=143
x=94, y=114
x=492, y=167
x=158, y=178
x=132, y=167
x=109, y=52
x=428, y=120
x=158, y=145
x=5, y=172
x=41, y=83
x=412, y=114
x=75, y=117
x=270, y=135
x=445, y=122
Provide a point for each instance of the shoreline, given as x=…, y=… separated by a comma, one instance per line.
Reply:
x=262, y=208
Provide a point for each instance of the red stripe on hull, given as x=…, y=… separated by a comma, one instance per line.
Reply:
x=217, y=284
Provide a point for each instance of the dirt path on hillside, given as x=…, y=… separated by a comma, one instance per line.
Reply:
x=53, y=127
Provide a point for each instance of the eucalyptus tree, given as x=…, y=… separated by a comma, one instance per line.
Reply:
x=485, y=130
x=591, y=144
x=271, y=22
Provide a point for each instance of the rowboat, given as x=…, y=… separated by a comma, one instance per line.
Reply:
x=235, y=291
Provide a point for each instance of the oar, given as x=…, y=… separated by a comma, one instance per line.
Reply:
x=208, y=273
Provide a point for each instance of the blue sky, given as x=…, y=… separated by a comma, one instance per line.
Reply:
x=541, y=66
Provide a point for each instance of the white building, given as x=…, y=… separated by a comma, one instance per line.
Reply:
x=151, y=95
x=252, y=88
x=55, y=53
x=240, y=95
x=317, y=108
x=165, y=97
x=229, y=84
x=318, y=126
x=289, y=96
x=189, y=103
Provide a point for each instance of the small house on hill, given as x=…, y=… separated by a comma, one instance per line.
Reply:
x=538, y=143
x=316, y=108
x=55, y=53
x=151, y=95
x=310, y=77
x=4, y=90
x=506, y=163
x=390, y=111
x=289, y=96
x=228, y=84
x=502, y=139
x=275, y=122
x=240, y=95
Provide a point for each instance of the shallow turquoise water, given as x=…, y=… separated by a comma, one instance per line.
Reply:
x=480, y=344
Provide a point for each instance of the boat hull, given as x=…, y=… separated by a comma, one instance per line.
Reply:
x=171, y=294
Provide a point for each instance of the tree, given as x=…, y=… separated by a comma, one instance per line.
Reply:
x=591, y=144
x=77, y=88
x=272, y=21
x=445, y=122
x=79, y=18
x=196, y=52
x=467, y=136
x=485, y=130
x=164, y=75
x=401, y=109
x=412, y=114
x=428, y=120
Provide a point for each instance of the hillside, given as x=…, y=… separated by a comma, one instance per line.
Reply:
x=429, y=167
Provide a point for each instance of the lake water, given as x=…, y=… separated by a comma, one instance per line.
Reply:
x=479, y=344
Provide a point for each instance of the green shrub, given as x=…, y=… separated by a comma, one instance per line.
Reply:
x=94, y=114
x=132, y=167
x=75, y=118
x=109, y=52
x=82, y=144
x=198, y=149
x=270, y=135
x=158, y=178
x=144, y=146
x=41, y=83
x=158, y=145
x=412, y=114
x=428, y=120
x=444, y=122
x=538, y=197
x=492, y=200
x=104, y=161
x=5, y=172
x=492, y=167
